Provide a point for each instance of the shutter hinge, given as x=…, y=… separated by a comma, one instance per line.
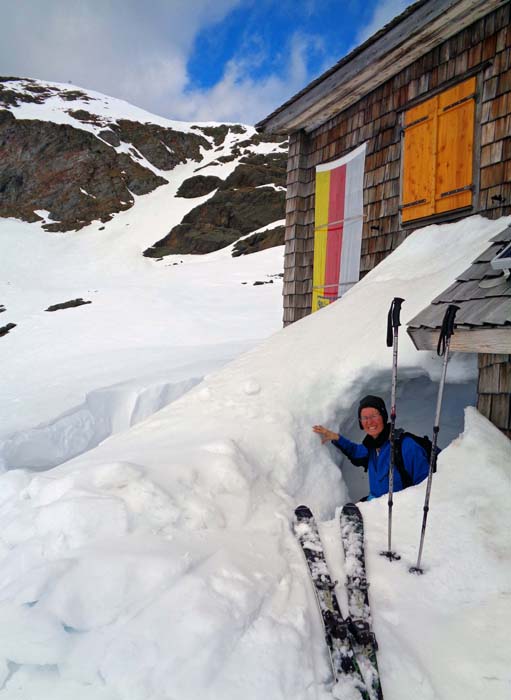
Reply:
x=417, y=121
x=457, y=191
x=459, y=102
x=413, y=204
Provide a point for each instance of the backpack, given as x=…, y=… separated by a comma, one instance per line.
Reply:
x=424, y=442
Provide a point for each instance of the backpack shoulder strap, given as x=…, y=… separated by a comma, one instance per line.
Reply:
x=406, y=479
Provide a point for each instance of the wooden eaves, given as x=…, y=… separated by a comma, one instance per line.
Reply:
x=410, y=35
x=483, y=322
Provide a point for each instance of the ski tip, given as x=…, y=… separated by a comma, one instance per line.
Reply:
x=303, y=512
x=350, y=508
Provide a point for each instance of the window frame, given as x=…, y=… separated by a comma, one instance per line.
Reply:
x=461, y=212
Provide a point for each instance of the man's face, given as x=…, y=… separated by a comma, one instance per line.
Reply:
x=372, y=422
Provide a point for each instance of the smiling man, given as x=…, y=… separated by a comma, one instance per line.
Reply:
x=412, y=463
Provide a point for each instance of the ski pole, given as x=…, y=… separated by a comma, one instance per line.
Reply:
x=393, y=323
x=444, y=341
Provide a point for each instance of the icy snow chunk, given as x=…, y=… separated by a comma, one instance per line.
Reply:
x=80, y=520
x=12, y=484
x=104, y=584
x=31, y=636
x=204, y=394
x=251, y=387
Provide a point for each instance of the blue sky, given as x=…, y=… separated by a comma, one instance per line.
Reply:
x=231, y=60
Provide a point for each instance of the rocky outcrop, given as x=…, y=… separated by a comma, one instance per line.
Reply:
x=252, y=196
x=65, y=171
x=198, y=186
x=68, y=304
x=5, y=329
x=218, y=133
x=260, y=241
x=68, y=175
x=257, y=169
x=34, y=93
x=220, y=221
x=164, y=148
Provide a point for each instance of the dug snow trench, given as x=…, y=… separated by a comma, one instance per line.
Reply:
x=161, y=564
x=105, y=412
x=109, y=410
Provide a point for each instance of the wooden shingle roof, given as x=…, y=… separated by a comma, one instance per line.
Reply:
x=484, y=307
x=410, y=35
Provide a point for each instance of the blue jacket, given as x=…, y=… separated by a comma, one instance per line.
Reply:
x=414, y=458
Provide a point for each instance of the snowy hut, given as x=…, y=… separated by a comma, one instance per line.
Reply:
x=410, y=128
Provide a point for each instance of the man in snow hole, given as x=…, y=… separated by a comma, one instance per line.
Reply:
x=374, y=452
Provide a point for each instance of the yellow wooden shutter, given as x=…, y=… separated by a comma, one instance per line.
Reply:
x=456, y=108
x=418, y=192
x=438, y=153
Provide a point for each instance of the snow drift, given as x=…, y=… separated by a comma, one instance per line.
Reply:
x=161, y=564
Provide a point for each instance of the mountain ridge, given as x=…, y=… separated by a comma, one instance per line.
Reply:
x=73, y=156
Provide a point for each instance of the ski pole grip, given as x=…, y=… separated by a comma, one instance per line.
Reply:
x=393, y=320
x=447, y=328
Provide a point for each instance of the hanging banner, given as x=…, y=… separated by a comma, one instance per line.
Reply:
x=338, y=227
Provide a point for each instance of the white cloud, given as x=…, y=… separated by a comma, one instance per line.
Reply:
x=239, y=97
x=125, y=48
x=139, y=52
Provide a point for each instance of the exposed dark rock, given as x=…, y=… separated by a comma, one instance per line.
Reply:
x=218, y=133
x=71, y=95
x=79, y=178
x=198, y=186
x=86, y=117
x=46, y=166
x=12, y=98
x=164, y=148
x=224, y=218
x=5, y=329
x=260, y=241
x=38, y=89
x=38, y=93
x=187, y=238
x=227, y=159
x=2, y=308
x=256, y=170
x=68, y=304
x=256, y=139
x=110, y=137
x=221, y=159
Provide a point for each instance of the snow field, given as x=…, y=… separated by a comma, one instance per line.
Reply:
x=161, y=564
x=157, y=562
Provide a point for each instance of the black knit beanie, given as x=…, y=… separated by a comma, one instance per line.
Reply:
x=373, y=402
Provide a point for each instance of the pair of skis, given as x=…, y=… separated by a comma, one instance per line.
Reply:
x=350, y=640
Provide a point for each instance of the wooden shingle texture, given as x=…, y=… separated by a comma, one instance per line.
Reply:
x=479, y=305
x=482, y=49
x=480, y=308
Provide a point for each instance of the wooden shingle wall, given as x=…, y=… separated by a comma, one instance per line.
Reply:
x=483, y=49
x=494, y=390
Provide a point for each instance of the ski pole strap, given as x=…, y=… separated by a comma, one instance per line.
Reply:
x=393, y=319
x=447, y=329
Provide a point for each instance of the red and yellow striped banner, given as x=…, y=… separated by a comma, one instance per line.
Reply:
x=338, y=227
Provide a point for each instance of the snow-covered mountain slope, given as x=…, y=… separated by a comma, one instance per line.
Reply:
x=72, y=157
x=147, y=328
x=161, y=565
